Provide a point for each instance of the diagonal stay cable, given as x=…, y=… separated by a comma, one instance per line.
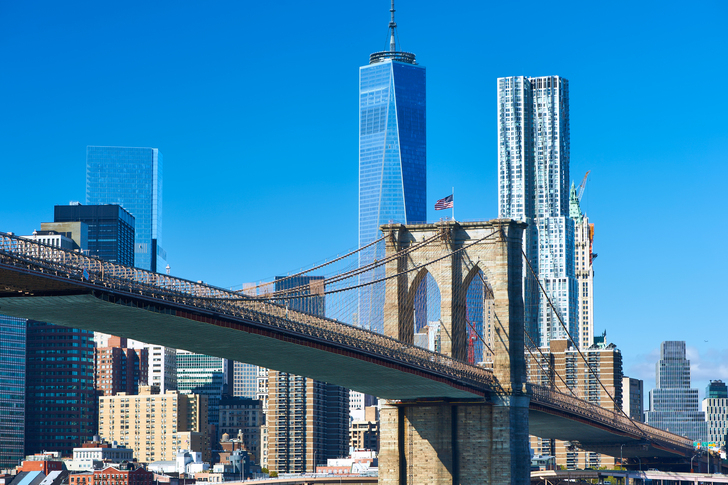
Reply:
x=591, y=369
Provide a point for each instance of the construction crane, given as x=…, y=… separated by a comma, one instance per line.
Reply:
x=582, y=186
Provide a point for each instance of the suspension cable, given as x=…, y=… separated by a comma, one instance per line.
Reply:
x=591, y=369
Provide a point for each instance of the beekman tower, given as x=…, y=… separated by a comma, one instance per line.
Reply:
x=533, y=186
x=392, y=157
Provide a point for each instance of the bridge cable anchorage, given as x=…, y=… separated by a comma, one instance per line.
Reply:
x=315, y=267
x=571, y=339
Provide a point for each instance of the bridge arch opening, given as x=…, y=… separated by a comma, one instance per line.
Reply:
x=423, y=308
x=479, y=317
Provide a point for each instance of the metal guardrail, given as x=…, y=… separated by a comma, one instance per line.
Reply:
x=553, y=398
x=46, y=259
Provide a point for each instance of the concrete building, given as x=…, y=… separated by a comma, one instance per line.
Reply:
x=633, y=396
x=94, y=454
x=60, y=407
x=358, y=402
x=206, y=375
x=673, y=404
x=243, y=418
x=715, y=407
x=155, y=426
x=583, y=269
x=562, y=359
x=119, y=368
x=109, y=230
x=245, y=380
x=364, y=434
x=12, y=399
x=533, y=178
x=307, y=420
x=53, y=238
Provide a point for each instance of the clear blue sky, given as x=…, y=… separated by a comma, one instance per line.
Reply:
x=254, y=106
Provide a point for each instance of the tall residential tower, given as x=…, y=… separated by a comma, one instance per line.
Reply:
x=392, y=157
x=533, y=178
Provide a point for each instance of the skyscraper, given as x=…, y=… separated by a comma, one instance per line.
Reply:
x=110, y=233
x=392, y=157
x=12, y=399
x=583, y=270
x=60, y=397
x=307, y=420
x=533, y=177
x=132, y=178
x=715, y=407
x=673, y=404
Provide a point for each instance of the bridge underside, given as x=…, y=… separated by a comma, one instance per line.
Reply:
x=65, y=303
x=587, y=436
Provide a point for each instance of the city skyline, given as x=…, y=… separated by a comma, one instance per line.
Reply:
x=640, y=158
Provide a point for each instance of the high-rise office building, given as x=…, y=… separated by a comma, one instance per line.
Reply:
x=208, y=376
x=604, y=365
x=673, y=404
x=307, y=420
x=110, y=229
x=633, y=396
x=132, y=178
x=392, y=158
x=583, y=270
x=60, y=397
x=12, y=397
x=245, y=380
x=533, y=178
x=119, y=368
x=715, y=407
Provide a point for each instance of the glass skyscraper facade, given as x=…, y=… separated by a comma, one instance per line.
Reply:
x=60, y=396
x=205, y=375
x=673, y=404
x=110, y=230
x=392, y=159
x=245, y=380
x=533, y=183
x=132, y=178
x=12, y=391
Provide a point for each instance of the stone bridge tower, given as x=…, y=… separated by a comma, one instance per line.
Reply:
x=452, y=442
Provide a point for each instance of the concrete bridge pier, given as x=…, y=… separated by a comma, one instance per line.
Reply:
x=455, y=443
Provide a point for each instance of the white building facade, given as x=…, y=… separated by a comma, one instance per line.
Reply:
x=533, y=178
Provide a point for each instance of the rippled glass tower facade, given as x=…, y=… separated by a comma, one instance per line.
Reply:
x=12, y=385
x=392, y=159
x=674, y=405
x=132, y=178
x=533, y=187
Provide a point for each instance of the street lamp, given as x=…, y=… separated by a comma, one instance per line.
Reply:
x=621, y=460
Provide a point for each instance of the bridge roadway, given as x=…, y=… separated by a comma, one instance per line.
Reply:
x=43, y=283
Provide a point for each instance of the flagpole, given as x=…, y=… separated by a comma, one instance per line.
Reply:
x=453, y=203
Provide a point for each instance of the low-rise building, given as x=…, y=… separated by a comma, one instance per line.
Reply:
x=113, y=475
x=97, y=454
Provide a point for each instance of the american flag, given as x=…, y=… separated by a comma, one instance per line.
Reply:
x=446, y=203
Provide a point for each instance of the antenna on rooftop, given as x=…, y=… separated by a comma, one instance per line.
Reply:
x=392, y=29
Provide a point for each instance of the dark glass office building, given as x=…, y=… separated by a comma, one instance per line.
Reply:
x=60, y=397
x=392, y=159
x=132, y=178
x=110, y=230
x=12, y=391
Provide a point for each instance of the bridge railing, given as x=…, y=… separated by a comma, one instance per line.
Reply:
x=44, y=258
x=564, y=402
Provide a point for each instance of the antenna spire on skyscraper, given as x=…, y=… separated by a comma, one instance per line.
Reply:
x=392, y=29
x=392, y=53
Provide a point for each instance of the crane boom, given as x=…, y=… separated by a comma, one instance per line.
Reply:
x=582, y=186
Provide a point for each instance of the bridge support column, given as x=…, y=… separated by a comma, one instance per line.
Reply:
x=455, y=444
